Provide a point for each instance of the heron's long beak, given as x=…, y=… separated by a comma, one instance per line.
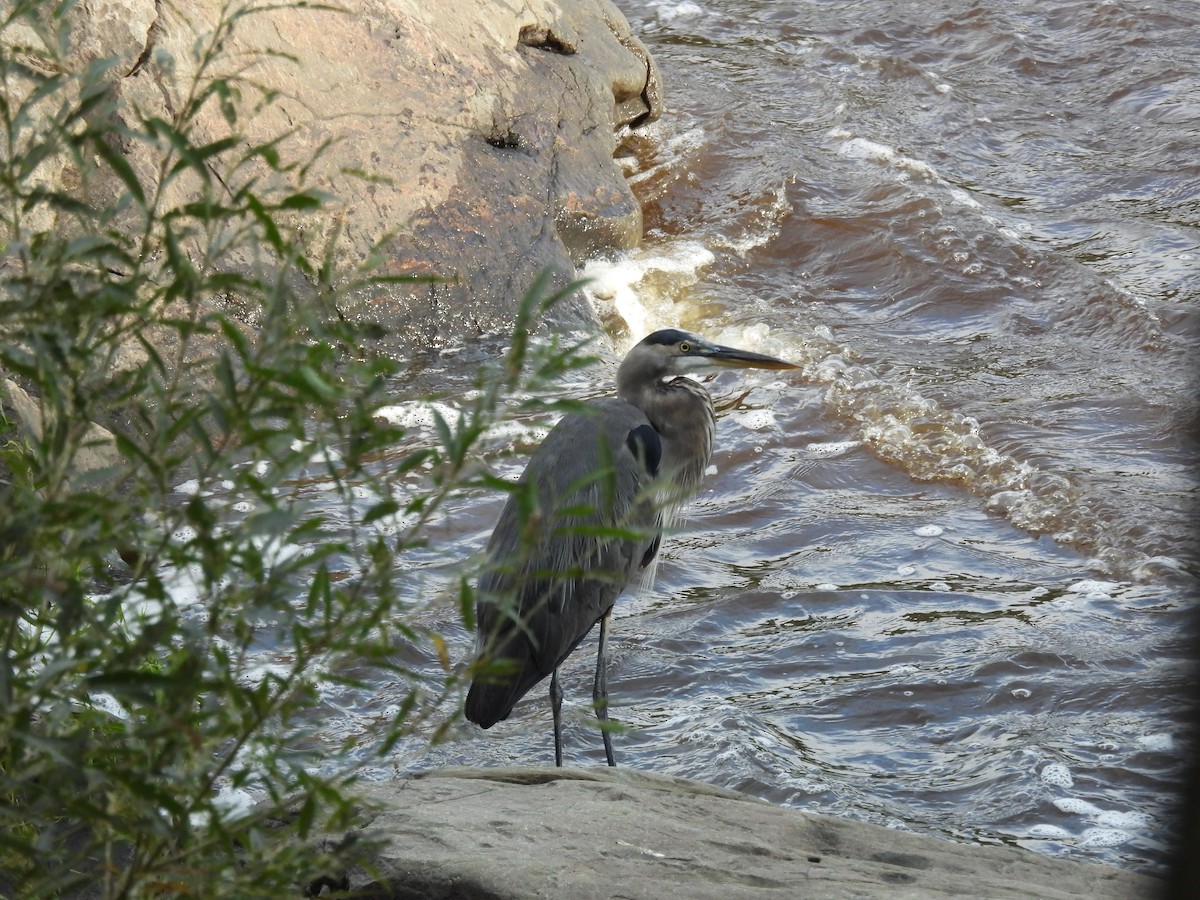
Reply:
x=742, y=359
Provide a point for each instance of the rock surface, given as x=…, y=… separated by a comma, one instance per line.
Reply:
x=603, y=833
x=97, y=452
x=486, y=130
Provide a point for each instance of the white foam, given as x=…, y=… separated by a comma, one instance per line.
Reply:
x=1078, y=807
x=1057, y=774
x=1049, y=832
x=962, y=198
x=1103, y=837
x=518, y=431
x=685, y=9
x=183, y=588
x=1158, y=743
x=183, y=534
x=616, y=282
x=417, y=414
x=397, y=523
x=257, y=674
x=230, y=803
x=1094, y=588
x=826, y=586
x=929, y=531
x=755, y=419
x=832, y=448
x=327, y=455
x=674, y=149
x=107, y=703
x=234, y=802
x=906, y=570
x=871, y=151
x=1123, y=821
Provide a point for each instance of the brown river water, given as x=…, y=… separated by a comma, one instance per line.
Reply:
x=942, y=578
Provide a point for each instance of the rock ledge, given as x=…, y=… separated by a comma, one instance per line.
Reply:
x=604, y=833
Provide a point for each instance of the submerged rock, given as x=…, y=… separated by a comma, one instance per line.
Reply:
x=602, y=833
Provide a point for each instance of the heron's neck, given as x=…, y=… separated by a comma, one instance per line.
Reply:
x=663, y=400
x=681, y=411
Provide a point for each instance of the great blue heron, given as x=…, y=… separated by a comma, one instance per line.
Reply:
x=587, y=515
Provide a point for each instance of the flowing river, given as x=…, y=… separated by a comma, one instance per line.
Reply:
x=942, y=577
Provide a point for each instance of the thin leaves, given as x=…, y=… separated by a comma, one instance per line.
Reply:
x=240, y=548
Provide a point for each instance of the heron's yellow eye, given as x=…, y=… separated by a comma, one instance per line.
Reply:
x=684, y=346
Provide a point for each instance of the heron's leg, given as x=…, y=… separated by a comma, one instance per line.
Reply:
x=600, y=691
x=556, y=696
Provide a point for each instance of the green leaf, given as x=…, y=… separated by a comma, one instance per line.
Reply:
x=305, y=200
x=273, y=235
x=196, y=158
x=308, y=380
x=466, y=604
x=380, y=510
x=120, y=166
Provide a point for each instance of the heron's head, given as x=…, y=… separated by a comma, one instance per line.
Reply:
x=675, y=352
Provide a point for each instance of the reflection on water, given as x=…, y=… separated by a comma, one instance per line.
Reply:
x=942, y=578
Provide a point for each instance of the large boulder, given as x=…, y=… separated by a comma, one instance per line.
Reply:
x=486, y=132
x=481, y=834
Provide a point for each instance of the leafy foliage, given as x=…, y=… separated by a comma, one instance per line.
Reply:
x=131, y=702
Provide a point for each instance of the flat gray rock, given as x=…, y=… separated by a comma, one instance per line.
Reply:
x=617, y=833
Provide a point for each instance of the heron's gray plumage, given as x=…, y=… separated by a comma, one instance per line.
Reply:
x=548, y=571
x=587, y=515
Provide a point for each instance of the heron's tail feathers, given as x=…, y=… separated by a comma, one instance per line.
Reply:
x=488, y=704
x=494, y=694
